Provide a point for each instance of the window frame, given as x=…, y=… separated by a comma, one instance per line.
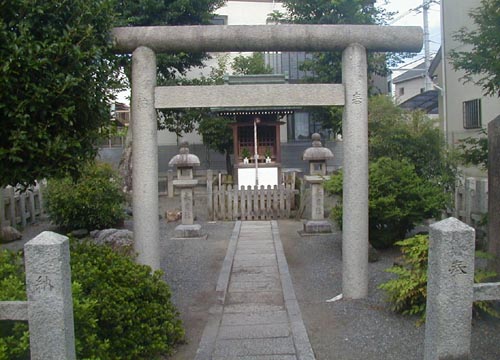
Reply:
x=471, y=114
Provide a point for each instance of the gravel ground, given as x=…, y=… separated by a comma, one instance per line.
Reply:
x=191, y=269
x=361, y=329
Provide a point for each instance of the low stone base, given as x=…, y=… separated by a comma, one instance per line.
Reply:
x=313, y=227
x=189, y=231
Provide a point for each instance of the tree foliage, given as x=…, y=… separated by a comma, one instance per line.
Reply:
x=168, y=12
x=407, y=291
x=56, y=75
x=481, y=64
x=94, y=201
x=474, y=150
x=398, y=200
x=410, y=186
x=412, y=136
x=250, y=65
x=326, y=67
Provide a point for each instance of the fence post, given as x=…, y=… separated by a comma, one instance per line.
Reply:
x=450, y=290
x=50, y=304
x=210, y=200
x=22, y=208
x=2, y=209
x=12, y=205
x=170, y=183
x=494, y=191
x=31, y=194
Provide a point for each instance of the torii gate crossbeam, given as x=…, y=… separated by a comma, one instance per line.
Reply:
x=352, y=40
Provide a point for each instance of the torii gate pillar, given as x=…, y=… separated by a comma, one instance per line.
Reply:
x=355, y=173
x=145, y=158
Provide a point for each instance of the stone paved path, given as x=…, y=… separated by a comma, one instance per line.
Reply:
x=257, y=316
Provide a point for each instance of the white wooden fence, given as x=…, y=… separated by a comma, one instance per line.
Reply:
x=18, y=208
x=252, y=203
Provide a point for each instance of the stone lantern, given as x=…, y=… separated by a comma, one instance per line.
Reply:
x=317, y=155
x=185, y=162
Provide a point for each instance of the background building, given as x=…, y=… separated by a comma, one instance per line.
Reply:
x=464, y=109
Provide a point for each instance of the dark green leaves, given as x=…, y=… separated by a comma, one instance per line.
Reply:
x=56, y=78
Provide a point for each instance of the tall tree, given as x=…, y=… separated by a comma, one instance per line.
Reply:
x=327, y=66
x=59, y=72
x=57, y=77
x=412, y=136
x=251, y=65
x=169, y=66
x=168, y=12
x=215, y=131
x=482, y=63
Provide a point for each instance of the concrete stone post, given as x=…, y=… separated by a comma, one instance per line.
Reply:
x=145, y=158
x=210, y=200
x=187, y=206
x=317, y=196
x=170, y=183
x=355, y=167
x=50, y=304
x=317, y=155
x=450, y=290
x=494, y=190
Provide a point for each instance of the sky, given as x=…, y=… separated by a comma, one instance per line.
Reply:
x=415, y=18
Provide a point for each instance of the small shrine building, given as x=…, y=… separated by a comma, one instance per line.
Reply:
x=256, y=136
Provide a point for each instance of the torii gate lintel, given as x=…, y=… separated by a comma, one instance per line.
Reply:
x=353, y=40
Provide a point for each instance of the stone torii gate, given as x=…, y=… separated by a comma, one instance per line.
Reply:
x=353, y=40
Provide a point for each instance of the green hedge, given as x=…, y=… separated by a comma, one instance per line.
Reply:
x=94, y=201
x=121, y=309
x=398, y=200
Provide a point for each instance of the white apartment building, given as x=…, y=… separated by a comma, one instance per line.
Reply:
x=464, y=108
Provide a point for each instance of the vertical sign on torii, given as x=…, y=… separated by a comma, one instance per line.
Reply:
x=353, y=40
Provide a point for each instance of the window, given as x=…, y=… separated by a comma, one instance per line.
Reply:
x=219, y=20
x=472, y=114
x=401, y=91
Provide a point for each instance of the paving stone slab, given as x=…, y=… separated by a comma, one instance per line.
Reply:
x=266, y=242
x=262, y=276
x=255, y=263
x=262, y=285
x=268, y=317
x=255, y=233
x=253, y=307
x=257, y=236
x=253, y=257
x=255, y=250
x=272, y=346
x=258, y=357
x=262, y=297
x=254, y=331
x=255, y=270
x=256, y=247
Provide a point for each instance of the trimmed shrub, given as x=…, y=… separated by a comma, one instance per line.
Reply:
x=94, y=201
x=398, y=200
x=121, y=309
x=407, y=292
x=14, y=339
